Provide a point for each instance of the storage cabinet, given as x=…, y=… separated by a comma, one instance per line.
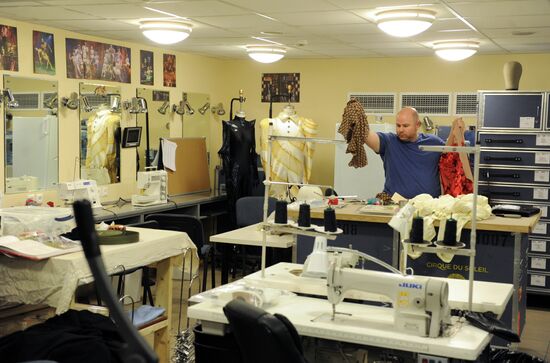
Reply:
x=514, y=135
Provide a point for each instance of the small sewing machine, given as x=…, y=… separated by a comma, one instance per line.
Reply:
x=152, y=187
x=80, y=189
x=420, y=304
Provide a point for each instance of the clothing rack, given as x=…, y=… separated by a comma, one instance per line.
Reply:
x=241, y=100
x=470, y=252
x=267, y=227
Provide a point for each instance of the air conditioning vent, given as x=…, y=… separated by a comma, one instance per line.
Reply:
x=376, y=103
x=428, y=103
x=465, y=104
x=27, y=101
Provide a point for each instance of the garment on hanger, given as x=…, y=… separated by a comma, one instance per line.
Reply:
x=355, y=128
x=101, y=149
x=291, y=161
x=453, y=178
x=239, y=159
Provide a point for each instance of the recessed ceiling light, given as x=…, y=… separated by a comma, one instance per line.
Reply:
x=522, y=33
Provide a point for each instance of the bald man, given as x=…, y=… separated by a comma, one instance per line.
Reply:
x=408, y=170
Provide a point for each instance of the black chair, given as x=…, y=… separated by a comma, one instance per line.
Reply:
x=193, y=227
x=263, y=337
x=249, y=211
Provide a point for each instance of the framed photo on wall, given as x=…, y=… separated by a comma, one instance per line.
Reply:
x=281, y=87
x=146, y=68
x=43, y=55
x=9, y=60
x=99, y=61
x=169, y=70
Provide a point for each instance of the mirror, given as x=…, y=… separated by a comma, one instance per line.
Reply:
x=197, y=122
x=100, y=133
x=31, y=135
x=155, y=124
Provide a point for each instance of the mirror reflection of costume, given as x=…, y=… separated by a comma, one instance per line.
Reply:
x=239, y=158
x=101, y=149
x=291, y=161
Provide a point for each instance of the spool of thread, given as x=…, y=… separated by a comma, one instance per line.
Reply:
x=304, y=216
x=281, y=212
x=417, y=231
x=450, y=233
x=330, y=220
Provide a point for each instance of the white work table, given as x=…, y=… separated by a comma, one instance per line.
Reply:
x=488, y=296
x=311, y=317
x=253, y=236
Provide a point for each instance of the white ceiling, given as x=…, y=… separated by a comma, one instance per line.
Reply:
x=308, y=28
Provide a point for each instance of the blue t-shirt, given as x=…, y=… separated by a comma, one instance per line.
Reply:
x=410, y=171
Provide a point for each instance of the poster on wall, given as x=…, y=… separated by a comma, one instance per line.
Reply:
x=169, y=70
x=99, y=61
x=161, y=96
x=281, y=87
x=146, y=68
x=43, y=55
x=8, y=48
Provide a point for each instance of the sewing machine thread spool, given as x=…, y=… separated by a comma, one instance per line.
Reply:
x=304, y=216
x=330, y=220
x=281, y=212
x=417, y=231
x=450, y=233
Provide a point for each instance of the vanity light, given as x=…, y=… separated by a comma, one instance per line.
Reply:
x=86, y=104
x=70, y=102
x=455, y=50
x=115, y=103
x=51, y=102
x=136, y=105
x=179, y=108
x=164, y=107
x=204, y=108
x=404, y=22
x=165, y=31
x=11, y=102
x=218, y=109
x=265, y=53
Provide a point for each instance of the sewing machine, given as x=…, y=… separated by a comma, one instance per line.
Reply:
x=152, y=187
x=420, y=304
x=80, y=189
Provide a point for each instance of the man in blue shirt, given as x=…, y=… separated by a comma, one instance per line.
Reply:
x=408, y=170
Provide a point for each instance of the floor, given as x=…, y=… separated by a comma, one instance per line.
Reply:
x=535, y=337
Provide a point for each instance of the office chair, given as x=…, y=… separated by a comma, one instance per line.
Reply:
x=263, y=337
x=193, y=227
x=249, y=211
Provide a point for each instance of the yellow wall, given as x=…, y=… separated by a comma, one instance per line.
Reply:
x=194, y=73
x=325, y=85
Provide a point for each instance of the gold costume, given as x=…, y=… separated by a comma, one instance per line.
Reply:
x=291, y=161
x=101, y=146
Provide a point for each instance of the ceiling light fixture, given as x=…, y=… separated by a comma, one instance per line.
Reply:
x=265, y=53
x=455, y=50
x=404, y=22
x=165, y=31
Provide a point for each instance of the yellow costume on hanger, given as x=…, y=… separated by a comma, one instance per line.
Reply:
x=101, y=146
x=291, y=161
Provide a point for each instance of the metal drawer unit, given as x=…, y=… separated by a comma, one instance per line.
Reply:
x=514, y=135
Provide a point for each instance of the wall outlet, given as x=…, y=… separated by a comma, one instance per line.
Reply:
x=424, y=358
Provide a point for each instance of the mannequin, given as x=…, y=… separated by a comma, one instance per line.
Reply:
x=239, y=159
x=291, y=161
x=101, y=150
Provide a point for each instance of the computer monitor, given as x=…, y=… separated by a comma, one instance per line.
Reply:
x=131, y=136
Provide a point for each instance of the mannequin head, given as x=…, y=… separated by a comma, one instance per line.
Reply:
x=407, y=124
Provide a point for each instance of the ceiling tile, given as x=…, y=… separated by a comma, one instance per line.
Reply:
x=92, y=25
x=320, y=18
x=19, y=3
x=366, y=38
x=80, y=2
x=199, y=8
x=236, y=21
x=360, y=28
x=283, y=6
x=43, y=13
x=396, y=52
x=115, y=11
x=355, y=53
x=508, y=32
x=521, y=21
x=502, y=8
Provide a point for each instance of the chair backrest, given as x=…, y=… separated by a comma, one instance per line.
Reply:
x=263, y=337
x=182, y=223
x=250, y=210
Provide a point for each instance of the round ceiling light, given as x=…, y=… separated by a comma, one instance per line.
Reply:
x=455, y=50
x=265, y=53
x=165, y=31
x=404, y=22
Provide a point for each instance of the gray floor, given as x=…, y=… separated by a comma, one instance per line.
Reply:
x=535, y=337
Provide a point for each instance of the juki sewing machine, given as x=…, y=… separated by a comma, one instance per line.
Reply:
x=420, y=303
x=80, y=189
x=152, y=187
